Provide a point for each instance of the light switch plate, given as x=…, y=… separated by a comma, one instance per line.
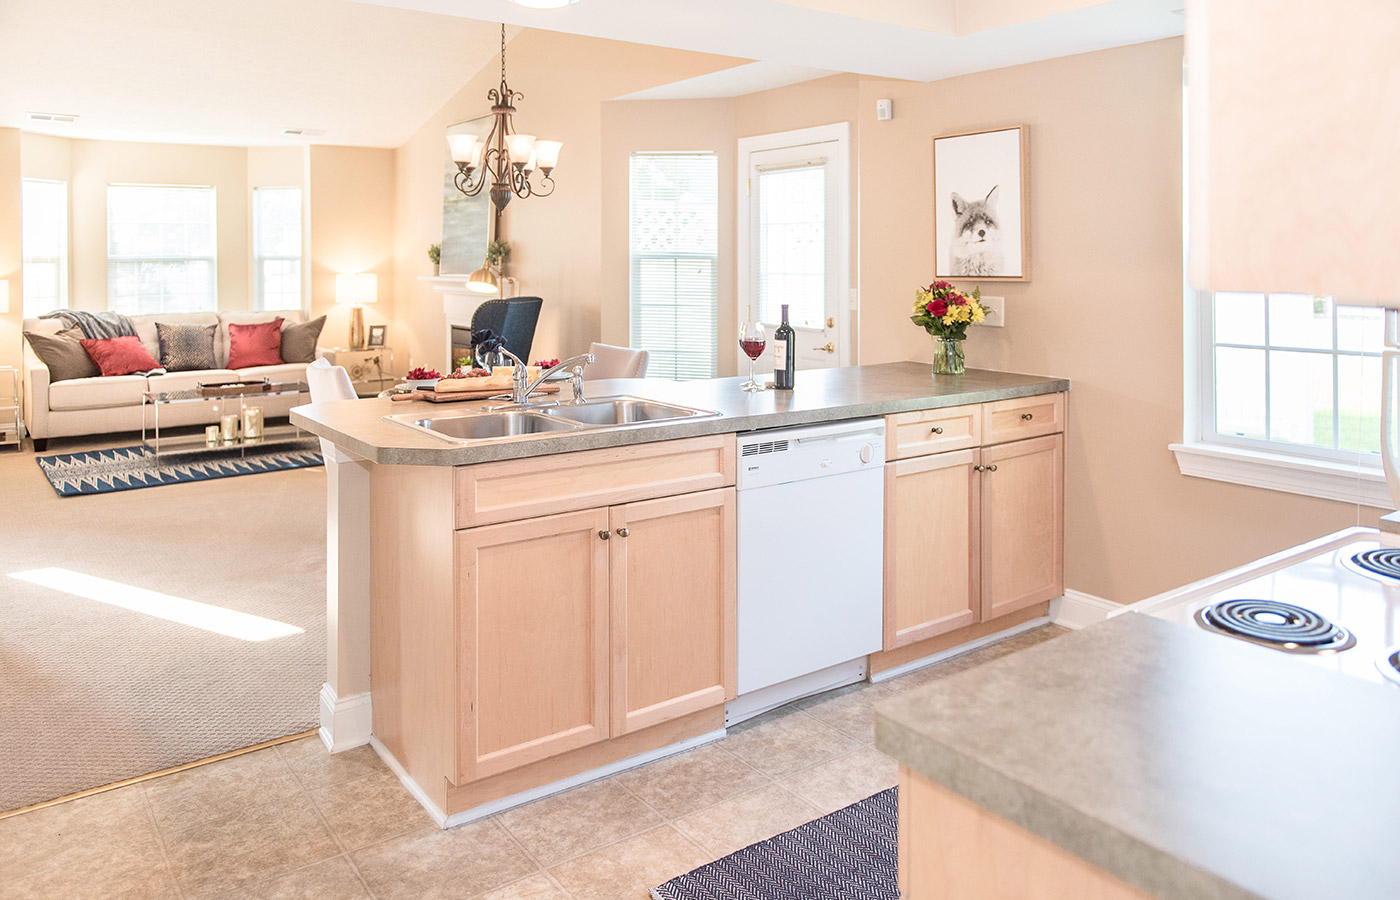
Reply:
x=996, y=311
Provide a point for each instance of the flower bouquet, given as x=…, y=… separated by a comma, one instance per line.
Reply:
x=945, y=312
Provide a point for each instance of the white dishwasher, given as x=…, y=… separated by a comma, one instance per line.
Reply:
x=811, y=558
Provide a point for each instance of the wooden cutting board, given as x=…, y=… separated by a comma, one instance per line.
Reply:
x=454, y=396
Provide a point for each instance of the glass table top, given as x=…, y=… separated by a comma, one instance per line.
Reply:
x=191, y=395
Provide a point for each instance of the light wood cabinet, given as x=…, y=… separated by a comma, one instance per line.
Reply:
x=974, y=535
x=673, y=614
x=533, y=660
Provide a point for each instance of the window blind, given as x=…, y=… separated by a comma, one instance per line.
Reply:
x=791, y=257
x=277, y=248
x=44, y=244
x=161, y=253
x=674, y=247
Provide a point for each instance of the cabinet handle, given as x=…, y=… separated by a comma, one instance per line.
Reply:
x=992, y=467
x=1026, y=417
x=604, y=535
x=937, y=430
x=623, y=532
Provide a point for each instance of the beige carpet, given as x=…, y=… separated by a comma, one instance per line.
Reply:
x=117, y=655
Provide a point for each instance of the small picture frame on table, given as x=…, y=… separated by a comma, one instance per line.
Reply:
x=377, y=335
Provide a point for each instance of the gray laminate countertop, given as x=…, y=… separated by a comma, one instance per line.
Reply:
x=1194, y=766
x=821, y=395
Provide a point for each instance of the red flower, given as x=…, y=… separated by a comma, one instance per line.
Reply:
x=938, y=308
x=959, y=300
x=943, y=285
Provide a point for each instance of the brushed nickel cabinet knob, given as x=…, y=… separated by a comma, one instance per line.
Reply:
x=937, y=430
x=979, y=468
x=1027, y=416
x=604, y=535
x=992, y=467
x=623, y=532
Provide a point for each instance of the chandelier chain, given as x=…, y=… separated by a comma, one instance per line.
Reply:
x=503, y=52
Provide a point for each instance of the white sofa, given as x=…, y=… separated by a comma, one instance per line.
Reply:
x=103, y=404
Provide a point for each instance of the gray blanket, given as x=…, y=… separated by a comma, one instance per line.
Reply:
x=95, y=325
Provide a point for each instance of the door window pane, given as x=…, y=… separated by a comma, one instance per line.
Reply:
x=791, y=251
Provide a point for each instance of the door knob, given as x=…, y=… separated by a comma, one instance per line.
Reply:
x=623, y=532
x=829, y=347
x=604, y=535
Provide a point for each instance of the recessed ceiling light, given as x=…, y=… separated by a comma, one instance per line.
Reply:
x=544, y=4
x=61, y=118
x=304, y=132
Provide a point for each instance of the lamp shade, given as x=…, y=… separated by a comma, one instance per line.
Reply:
x=483, y=280
x=462, y=146
x=4, y=295
x=520, y=146
x=357, y=289
x=547, y=154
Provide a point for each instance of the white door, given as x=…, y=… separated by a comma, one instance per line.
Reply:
x=794, y=240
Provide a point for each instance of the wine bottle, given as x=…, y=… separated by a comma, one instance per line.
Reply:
x=784, y=355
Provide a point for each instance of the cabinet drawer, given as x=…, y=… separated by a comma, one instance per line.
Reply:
x=522, y=488
x=1023, y=417
x=933, y=431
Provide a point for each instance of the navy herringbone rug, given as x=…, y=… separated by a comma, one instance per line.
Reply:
x=128, y=468
x=848, y=855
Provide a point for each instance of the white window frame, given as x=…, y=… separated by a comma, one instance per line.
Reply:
x=212, y=258
x=259, y=258
x=1321, y=472
x=712, y=258
x=61, y=261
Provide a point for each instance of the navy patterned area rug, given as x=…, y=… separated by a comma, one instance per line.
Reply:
x=848, y=855
x=129, y=468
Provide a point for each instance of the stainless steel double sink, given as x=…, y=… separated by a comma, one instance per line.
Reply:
x=464, y=426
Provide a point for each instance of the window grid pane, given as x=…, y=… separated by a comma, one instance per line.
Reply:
x=674, y=249
x=277, y=247
x=1297, y=370
x=791, y=254
x=161, y=255
x=44, y=245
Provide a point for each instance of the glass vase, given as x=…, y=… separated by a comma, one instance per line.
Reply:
x=947, y=356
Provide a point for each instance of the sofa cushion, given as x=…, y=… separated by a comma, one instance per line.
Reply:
x=285, y=372
x=255, y=345
x=63, y=353
x=97, y=393
x=185, y=348
x=188, y=381
x=299, y=341
x=145, y=325
x=250, y=317
x=120, y=355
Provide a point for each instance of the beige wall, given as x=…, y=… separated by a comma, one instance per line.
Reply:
x=351, y=229
x=10, y=267
x=1104, y=306
x=556, y=244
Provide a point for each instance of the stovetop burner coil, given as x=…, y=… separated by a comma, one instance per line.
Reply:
x=1270, y=623
x=1384, y=561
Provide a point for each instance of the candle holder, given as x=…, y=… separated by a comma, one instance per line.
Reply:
x=228, y=428
x=252, y=424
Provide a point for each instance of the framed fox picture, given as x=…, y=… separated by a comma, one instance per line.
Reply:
x=981, y=205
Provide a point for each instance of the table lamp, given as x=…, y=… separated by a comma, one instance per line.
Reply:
x=357, y=290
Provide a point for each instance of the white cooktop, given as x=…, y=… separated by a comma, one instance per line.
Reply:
x=1316, y=576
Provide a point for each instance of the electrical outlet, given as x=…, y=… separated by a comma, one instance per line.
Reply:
x=996, y=311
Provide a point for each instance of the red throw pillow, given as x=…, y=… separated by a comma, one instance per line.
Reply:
x=120, y=355
x=255, y=345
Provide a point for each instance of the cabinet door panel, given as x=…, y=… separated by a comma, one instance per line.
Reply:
x=534, y=655
x=1022, y=524
x=673, y=618
x=932, y=532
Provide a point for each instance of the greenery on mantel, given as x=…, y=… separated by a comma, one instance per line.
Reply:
x=497, y=252
x=435, y=253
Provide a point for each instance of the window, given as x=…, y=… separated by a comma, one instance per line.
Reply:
x=160, y=249
x=674, y=247
x=791, y=243
x=44, y=239
x=277, y=248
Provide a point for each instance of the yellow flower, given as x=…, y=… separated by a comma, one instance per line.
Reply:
x=978, y=315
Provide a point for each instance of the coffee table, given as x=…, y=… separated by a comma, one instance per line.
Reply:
x=152, y=402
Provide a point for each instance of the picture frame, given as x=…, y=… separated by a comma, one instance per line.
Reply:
x=466, y=221
x=377, y=335
x=981, y=205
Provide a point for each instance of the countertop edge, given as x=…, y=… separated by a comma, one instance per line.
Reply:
x=1137, y=862
x=522, y=448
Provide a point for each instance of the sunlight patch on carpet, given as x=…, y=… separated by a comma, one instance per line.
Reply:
x=193, y=613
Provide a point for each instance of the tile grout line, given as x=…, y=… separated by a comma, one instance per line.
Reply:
x=540, y=867
x=345, y=852
x=666, y=820
x=160, y=839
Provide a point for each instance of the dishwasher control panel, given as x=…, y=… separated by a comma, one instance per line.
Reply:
x=813, y=451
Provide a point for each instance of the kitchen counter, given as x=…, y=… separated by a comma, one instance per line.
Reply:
x=821, y=395
x=1192, y=766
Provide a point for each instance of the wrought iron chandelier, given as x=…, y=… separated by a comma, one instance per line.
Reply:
x=506, y=159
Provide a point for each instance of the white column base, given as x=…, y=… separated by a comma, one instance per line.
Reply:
x=345, y=721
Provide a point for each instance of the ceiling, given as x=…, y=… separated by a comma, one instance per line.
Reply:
x=199, y=71
x=370, y=72
x=920, y=40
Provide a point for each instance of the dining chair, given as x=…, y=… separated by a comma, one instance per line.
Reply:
x=610, y=361
x=327, y=383
x=513, y=320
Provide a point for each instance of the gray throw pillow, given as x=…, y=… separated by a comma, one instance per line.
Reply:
x=186, y=348
x=299, y=341
x=63, y=354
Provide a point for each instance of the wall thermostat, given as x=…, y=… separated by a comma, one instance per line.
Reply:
x=884, y=109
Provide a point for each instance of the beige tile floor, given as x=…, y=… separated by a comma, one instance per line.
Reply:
x=294, y=822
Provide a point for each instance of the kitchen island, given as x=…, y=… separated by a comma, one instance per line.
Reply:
x=1139, y=758
x=550, y=606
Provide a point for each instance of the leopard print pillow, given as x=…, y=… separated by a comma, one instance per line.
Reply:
x=185, y=348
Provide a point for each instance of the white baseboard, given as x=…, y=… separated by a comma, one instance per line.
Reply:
x=959, y=650
x=438, y=815
x=345, y=721
x=1077, y=609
